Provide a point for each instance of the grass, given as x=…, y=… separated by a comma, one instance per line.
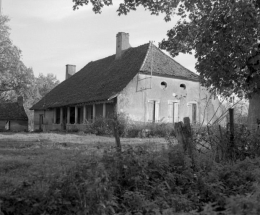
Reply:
x=40, y=157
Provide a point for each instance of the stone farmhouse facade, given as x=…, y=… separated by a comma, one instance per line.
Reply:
x=142, y=82
x=13, y=116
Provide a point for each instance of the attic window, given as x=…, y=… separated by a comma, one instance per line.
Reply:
x=163, y=85
x=183, y=86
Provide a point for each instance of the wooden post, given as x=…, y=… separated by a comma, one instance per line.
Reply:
x=68, y=115
x=116, y=133
x=61, y=115
x=76, y=115
x=184, y=137
x=54, y=116
x=94, y=112
x=232, y=129
x=104, y=110
x=84, y=114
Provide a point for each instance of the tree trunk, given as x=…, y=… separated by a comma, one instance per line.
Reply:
x=253, y=120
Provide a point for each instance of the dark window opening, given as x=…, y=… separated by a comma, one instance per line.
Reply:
x=72, y=115
x=57, y=116
x=80, y=115
x=183, y=86
x=163, y=85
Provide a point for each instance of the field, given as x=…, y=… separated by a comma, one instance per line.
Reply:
x=58, y=173
x=40, y=157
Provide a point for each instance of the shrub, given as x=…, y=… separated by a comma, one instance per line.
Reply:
x=142, y=181
x=149, y=130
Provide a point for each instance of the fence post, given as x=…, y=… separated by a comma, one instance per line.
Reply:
x=116, y=133
x=232, y=129
x=184, y=136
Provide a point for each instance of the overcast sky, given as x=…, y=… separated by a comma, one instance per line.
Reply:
x=51, y=35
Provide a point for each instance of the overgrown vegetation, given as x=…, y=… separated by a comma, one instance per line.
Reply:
x=104, y=126
x=71, y=179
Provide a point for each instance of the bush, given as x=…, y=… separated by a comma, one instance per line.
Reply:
x=149, y=130
x=141, y=181
x=127, y=128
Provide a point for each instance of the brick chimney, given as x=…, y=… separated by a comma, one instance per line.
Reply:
x=20, y=101
x=70, y=70
x=122, y=43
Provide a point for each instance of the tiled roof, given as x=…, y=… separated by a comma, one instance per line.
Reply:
x=102, y=79
x=164, y=65
x=12, y=111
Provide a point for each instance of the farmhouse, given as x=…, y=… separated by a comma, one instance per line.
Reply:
x=13, y=116
x=142, y=82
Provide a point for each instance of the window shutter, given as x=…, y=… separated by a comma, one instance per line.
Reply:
x=157, y=105
x=170, y=113
x=190, y=111
x=194, y=113
x=176, y=112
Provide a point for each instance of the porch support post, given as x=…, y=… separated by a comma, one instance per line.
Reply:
x=76, y=115
x=68, y=115
x=84, y=114
x=54, y=116
x=94, y=112
x=61, y=115
x=104, y=110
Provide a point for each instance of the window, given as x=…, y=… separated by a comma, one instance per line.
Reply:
x=163, y=85
x=183, y=86
x=173, y=108
x=153, y=111
x=193, y=112
x=57, y=116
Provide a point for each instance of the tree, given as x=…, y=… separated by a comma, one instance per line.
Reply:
x=46, y=83
x=39, y=87
x=15, y=77
x=224, y=35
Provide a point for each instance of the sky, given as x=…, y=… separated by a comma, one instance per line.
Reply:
x=51, y=34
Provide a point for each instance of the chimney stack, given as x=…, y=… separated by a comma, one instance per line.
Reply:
x=122, y=44
x=70, y=70
x=20, y=101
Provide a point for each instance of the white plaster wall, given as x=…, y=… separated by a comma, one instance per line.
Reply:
x=134, y=98
x=48, y=118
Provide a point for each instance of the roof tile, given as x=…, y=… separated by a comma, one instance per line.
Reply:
x=12, y=111
x=102, y=79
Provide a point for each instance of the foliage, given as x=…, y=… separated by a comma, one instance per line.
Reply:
x=15, y=77
x=46, y=83
x=127, y=128
x=216, y=139
x=39, y=87
x=226, y=47
x=140, y=180
x=155, y=7
x=224, y=35
x=149, y=130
